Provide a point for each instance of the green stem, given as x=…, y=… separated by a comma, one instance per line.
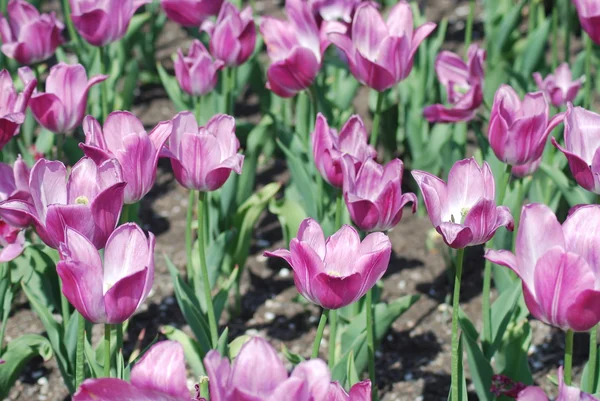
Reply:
x=469, y=28
x=204, y=391
x=188, y=234
x=567, y=30
x=455, y=305
x=210, y=310
x=554, y=37
x=587, y=99
x=231, y=92
x=504, y=186
x=79, y=366
x=523, y=185
x=60, y=140
x=332, y=337
x=591, y=384
x=486, y=309
x=119, y=330
x=64, y=306
x=104, y=85
x=66, y=9
x=376, y=119
x=371, y=342
x=319, y=336
x=107, y=328
x=339, y=211
x=532, y=16
x=3, y=6
x=568, y=356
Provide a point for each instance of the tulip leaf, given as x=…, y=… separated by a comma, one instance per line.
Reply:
x=507, y=27
x=480, y=367
x=220, y=300
x=534, y=51
x=571, y=192
x=351, y=374
x=222, y=345
x=172, y=88
x=463, y=393
x=92, y=361
x=136, y=23
x=6, y=298
x=290, y=214
x=191, y=348
x=585, y=379
x=292, y=358
x=502, y=310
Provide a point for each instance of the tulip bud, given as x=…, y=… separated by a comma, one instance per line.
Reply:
x=559, y=87
x=197, y=72
x=589, y=16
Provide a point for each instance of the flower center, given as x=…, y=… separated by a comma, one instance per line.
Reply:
x=82, y=200
x=334, y=273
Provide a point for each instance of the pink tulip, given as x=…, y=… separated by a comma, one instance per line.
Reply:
x=525, y=170
x=559, y=87
x=62, y=107
x=328, y=147
x=14, y=181
x=463, y=83
x=197, y=73
x=203, y=157
x=559, y=265
x=89, y=200
x=28, y=36
x=233, y=36
x=295, y=47
x=589, y=16
x=464, y=211
x=125, y=139
x=190, y=12
x=12, y=242
x=160, y=375
x=582, y=142
x=334, y=10
x=12, y=106
x=373, y=194
x=565, y=393
x=519, y=129
x=101, y=22
x=359, y=392
x=381, y=54
x=339, y=270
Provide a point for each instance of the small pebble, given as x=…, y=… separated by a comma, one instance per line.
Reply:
x=170, y=301
x=252, y=332
x=262, y=243
x=36, y=374
x=401, y=285
x=269, y=316
x=284, y=272
x=261, y=258
x=408, y=377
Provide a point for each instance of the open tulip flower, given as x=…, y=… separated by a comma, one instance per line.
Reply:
x=339, y=270
x=582, y=144
x=89, y=200
x=28, y=36
x=160, y=375
x=101, y=22
x=12, y=242
x=190, y=13
x=203, y=157
x=560, y=86
x=463, y=83
x=361, y=391
x=125, y=139
x=328, y=147
x=197, y=73
x=519, y=129
x=62, y=107
x=565, y=393
x=14, y=180
x=334, y=10
x=558, y=265
x=12, y=106
x=381, y=54
x=589, y=16
x=233, y=36
x=373, y=194
x=464, y=211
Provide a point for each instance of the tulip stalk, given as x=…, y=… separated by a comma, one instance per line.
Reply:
x=104, y=90
x=66, y=9
x=107, y=329
x=210, y=310
x=587, y=99
x=371, y=343
x=469, y=28
x=79, y=360
x=332, y=337
x=568, y=356
x=319, y=336
x=376, y=120
x=567, y=18
x=591, y=384
x=486, y=308
x=554, y=37
x=455, y=305
x=188, y=233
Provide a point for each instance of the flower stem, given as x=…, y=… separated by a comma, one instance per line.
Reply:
x=104, y=85
x=592, y=360
x=64, y=307
x=319, y=336
x=338, y=211
x=188, y=233
x=332, y=337
x=66, y=9
x=504, y=187
x=587, y=99
x=568, y=356
x=486, y=309
x=79, y=368
x=455, y=305
x=567, y=17
x=119, y=330
x=554, y=37
x=59, y=146
x=371, y=343
x=469, y=28
x=210, y=310
x=376, y=120
x=107, y=329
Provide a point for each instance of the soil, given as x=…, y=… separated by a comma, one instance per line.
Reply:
x=413, y=361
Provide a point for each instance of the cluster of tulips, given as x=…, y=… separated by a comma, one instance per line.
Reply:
x=81, y=200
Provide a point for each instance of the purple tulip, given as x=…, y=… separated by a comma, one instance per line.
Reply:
x=339, y=270
x=545, y=252
x=12, y=242
x=463, y=83
x=589, y=16
x=519, y=129
x=359, y=392
x=334, y=10
x=197, y=72
x=62, y=107
x=101, y=22
x=125, y=139
x=190, y=12
x=565, y=393
x=525, y=170
x=559, y=87
x=203, y=157
x=14, y=181
x=233, y=36
x=89, y=200
x=381, y=54
x=160, y=375
x=582, y=142
x=13, y=105
x=373, y=194
x=28, y=36
x=464, y=211
x=328, y=147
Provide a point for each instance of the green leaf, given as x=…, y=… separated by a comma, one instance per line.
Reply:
x=508, y=26
x=222, y=346
x=292, y=358
x=585, y=379
x=574, y=194
x=172, y=88
x=136, y=23
x=193, y=351
x=290, y=214
x=534, y=51
x=351, y=373
x=90, y=357
x=502, y=310
x=479, y=365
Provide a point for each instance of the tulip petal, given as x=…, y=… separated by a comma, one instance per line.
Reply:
x=82, y=286
x=334, y=292
x=368, y=30
x=306, y=265
x=127, y=252
x=364, y=213
x=582, y=236
x=124, y=297
x=106, y=209
x=48, y=185
x=455, y=235
x=316, y=373
x=435, y=195
x=532, y=393
x=79, y=217
x=580, y=169
x=311, y=233
x=341, y=251
x=375, y=252
x=218, y=370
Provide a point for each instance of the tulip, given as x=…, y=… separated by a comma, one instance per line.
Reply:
x=582, y=141
x=125, y=139
x=559, y=87
x=328, y=147
x=359, y=392
x=381, y=54
x=333, y=10
x=463, y=83
x=197, y=73
x=336, y=271
x=108, y=292
x=190, y=12
x=160, y=375
x=463, y=211
x=14, y=181
x=233, y=36
x=589, y=16
x=203, y=157
x=89, y=200
x=519, y=129
x=526, y=169
x=62, y=107
x=559, y=265
x=12, y=114
x=28, y=36
x=12, y=242
x=565, y=393
x=102, y=22
x=373, y=194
